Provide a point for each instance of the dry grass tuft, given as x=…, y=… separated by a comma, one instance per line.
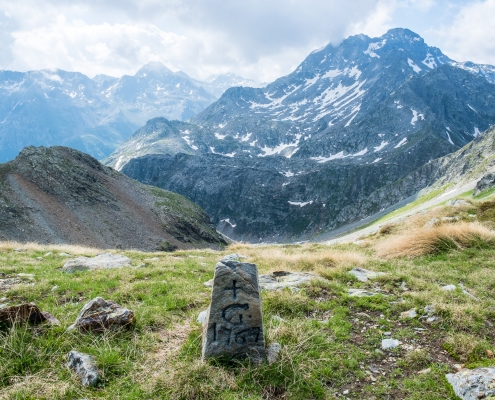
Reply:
x=66, y=248
x=42, y=385
x=299, y=257
x=418, y=241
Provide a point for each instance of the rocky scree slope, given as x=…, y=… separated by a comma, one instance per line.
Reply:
x=304, y=154
x=60, y=195
x=470, y=163
x=55, y=107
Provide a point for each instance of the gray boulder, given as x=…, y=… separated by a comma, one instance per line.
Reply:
x=272, y=352
x=484, y=183
x=282, y=279
x=363, y=274
x=100, y=314
x=84, y=365
x=473, y=384
x=101, y=261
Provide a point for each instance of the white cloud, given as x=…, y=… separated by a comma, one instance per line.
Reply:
x=256, y=39
x=470, y=36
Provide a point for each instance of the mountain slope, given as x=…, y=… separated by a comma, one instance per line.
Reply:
x=60, y=195
x=55, y=107
x=306, y=153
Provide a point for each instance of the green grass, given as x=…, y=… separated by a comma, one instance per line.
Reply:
x=330, y=340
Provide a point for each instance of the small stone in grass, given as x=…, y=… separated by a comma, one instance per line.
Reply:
x=85, y=366
x=388, y=344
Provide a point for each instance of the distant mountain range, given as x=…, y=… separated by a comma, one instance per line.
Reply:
x=55, y=107
x=304, y=154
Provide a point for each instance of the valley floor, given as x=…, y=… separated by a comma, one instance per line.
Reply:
x=331, y=339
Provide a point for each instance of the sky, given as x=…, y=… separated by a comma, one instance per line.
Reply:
x=257, y=39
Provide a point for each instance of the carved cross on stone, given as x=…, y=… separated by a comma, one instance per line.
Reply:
x=234, y=327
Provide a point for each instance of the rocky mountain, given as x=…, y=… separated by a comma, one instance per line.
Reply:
x=217, y=84
x=304, y=154
x=55, y=107
x=60, y=195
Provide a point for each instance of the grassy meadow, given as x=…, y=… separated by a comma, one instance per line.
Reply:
x=330, y=340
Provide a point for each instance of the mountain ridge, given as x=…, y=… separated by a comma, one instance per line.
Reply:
x=56, y=107
x=303, y=154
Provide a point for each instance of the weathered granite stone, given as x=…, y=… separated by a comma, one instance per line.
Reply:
x=202, y=317
x=361, y=293
x=101, y=261
x=272, y=352
x=363, y=274
x=85, y=366
x=388, y=344
x=100, y=314
x=27, y=312
x=282, y=279
x=234, y=326
x=473, y=384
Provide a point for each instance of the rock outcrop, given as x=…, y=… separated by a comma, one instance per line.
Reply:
x=60, y=195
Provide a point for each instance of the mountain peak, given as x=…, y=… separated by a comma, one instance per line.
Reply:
x=154, y=67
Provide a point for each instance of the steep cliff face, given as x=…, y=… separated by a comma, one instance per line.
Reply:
x=60, y=195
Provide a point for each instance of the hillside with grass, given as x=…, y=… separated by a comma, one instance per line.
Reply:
x=438, y=263
x=59, y=195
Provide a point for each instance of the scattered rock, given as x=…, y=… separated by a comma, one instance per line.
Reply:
x=19, y=250
x=363, y=274
x=100, y=314
x=84, y=365
x=403, y=287
x=473, y=384
x=272, y=352
x=65, y=255
x=409, y=314
x=54, y=288
x=457, y=203
x=233, y=257
x=151, y=259
x=361, y=293
x=467, y=293
x=27, y=312
x=429, y=309
x=48, y=254
x=388, y=344
x=234, y=327
x=282, y=279
x=8, y=282
x=424, y=371
x=101, y=261
x=486, y=182
x=203, y=315
x=432, y=222
x=431, y=319
x=449, y=288
x=27, y=276
x=277, y=318
x=387, y=333
x=209, y=283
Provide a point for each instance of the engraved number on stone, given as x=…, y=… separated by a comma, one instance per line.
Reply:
x=230, y=315
x=247, y=335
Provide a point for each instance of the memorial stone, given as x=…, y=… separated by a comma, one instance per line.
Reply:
x=234, y=325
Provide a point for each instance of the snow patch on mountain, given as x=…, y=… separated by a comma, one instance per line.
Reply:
x=401, y=143
x=299, y=203
x=416, y=116
x=413, y=66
